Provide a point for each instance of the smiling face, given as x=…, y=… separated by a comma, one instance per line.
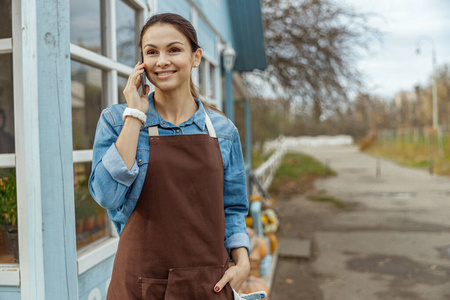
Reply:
x=168, y=57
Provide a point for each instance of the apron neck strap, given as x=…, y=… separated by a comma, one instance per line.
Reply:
x=153, y=130
x=210, y=126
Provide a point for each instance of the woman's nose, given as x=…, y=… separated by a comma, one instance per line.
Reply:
x=162, y=61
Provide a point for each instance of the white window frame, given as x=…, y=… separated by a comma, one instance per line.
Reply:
x=209, y=81
x=100, y=250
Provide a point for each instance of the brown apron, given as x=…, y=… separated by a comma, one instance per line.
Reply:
x=172, y=246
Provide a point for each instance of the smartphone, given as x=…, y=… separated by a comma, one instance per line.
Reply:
x=142, y=76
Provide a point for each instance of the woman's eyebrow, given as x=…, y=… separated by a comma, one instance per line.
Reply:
x=168, y=45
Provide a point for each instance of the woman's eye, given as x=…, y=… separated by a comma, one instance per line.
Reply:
x=151, y=52
x=174, y=50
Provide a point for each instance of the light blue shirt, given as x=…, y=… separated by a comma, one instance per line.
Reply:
x=117, y=188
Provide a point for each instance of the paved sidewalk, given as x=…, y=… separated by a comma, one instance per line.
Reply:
x=393, y=245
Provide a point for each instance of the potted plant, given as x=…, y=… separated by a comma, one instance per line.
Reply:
x=8, y=213
x=90, y=214
x=85, y=208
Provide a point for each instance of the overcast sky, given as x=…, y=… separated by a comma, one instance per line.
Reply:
x=394, y=65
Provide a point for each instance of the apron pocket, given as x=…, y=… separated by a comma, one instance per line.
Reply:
x=196, y=283
x=151, y=288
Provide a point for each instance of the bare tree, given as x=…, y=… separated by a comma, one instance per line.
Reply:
x=312, y=47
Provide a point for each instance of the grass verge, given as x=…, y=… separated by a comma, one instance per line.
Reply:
x=296, y=175
x=330, y=199
x=413, y=154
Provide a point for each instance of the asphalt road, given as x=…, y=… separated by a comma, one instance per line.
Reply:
x=393, y=244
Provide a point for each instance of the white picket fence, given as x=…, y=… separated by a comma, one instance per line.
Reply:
x=297, y=143
x=282, y=145
x=266, y=171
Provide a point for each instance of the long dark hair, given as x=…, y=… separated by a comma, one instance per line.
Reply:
x=185, y=28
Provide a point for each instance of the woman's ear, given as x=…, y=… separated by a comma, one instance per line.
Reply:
x=197, y=58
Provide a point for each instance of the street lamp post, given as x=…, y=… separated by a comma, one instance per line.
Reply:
x=434, y=88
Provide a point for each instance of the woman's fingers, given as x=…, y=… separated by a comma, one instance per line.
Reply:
x=131, y=89
x=134, y=78
x=227, y=277
x=135, y=75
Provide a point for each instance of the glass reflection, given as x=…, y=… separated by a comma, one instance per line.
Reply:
x=9, y=245
x=121, y=83
x=201, y=77
x=6, y=105
x=212, y=81
x=85, y=24
x=86, y=104
x=91, y=219
x=5, y=19
x=126, y=34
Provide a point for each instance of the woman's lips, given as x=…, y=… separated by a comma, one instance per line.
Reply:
x=165, y=74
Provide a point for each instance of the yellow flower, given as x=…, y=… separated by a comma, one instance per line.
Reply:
x=12, y=209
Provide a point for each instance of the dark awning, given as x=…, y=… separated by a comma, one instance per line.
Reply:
x=248, y=33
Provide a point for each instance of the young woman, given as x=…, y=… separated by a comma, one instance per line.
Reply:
x=170, y=172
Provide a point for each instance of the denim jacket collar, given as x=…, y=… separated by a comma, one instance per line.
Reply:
x=153, y=118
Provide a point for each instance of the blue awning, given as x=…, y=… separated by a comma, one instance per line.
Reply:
x=248, y=32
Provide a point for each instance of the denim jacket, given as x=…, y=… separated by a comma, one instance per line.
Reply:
x=117, y=188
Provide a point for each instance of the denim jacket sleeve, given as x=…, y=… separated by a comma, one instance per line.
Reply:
x=235, y=198
x=110, y=178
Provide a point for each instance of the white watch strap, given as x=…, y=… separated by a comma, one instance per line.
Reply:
x=136, y=113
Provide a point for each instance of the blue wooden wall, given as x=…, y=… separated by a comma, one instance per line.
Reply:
x=93, y=284
x=9, y=293
x=181, y=7
x=217, y=12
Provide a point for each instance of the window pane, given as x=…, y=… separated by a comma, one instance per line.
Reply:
x=86, y=104
x=126, y=34
x=6, y=105
x=5, y=19
x=9, y=247
x=212, y=81
x=91, y=219
x=85, y=24
x=121, y=83
x=201, y=77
